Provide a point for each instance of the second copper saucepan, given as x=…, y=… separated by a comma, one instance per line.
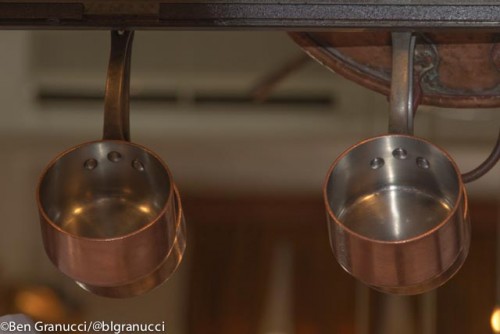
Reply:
x=397, y=212
x=396, y=204
x=110, y=214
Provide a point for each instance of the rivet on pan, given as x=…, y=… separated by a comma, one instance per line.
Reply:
x=138, y=165
x=114, y=156
x=400, y=153
x=377, y=163
x=423, y=163
x=90, y=164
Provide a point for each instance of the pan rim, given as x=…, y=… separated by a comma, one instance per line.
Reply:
x=458, y=202
x=62, y=154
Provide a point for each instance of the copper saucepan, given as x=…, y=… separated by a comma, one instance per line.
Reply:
x=397, y=213
x=396, y=204
x=110, y=214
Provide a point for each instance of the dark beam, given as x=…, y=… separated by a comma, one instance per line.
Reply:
x=248, y=15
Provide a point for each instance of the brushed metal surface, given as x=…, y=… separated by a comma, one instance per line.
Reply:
x=396, y=212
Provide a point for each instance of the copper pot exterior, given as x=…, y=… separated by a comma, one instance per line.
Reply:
x=104, y=262
x=155, y=278
x=409, y=267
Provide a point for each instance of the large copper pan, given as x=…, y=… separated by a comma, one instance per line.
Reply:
x=454, y=69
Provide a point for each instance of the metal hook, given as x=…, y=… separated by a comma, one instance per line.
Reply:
x=401, y=98
x=116, y=99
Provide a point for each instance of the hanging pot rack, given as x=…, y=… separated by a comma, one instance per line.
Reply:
x=249, y=14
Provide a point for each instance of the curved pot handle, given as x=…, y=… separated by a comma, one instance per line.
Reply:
x=486, y=166
x=402, y=91
x=116, y=98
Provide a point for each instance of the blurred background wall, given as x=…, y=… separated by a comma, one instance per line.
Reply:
x=250, y=174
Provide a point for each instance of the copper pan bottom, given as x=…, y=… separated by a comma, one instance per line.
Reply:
x=158, y=276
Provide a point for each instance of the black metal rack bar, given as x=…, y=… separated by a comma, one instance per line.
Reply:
x=249, y=15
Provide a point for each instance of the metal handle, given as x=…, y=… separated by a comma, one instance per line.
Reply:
x=486, y=166
x=402, y=95
x=116, y=99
